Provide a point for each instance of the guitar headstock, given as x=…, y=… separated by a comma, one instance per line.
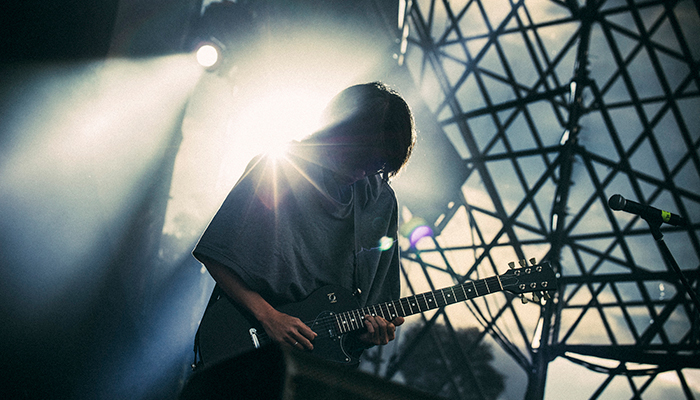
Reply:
x=534, y=278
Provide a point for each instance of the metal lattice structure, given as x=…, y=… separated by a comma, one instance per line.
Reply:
x=554, y=106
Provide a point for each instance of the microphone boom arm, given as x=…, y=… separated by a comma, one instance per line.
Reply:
x=655, y=218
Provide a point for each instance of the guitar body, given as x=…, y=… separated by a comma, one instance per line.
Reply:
x=227, y=331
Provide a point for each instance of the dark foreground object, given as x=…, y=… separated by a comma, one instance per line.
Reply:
x=276, y=373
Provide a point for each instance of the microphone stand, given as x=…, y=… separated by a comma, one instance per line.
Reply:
x=655, y=226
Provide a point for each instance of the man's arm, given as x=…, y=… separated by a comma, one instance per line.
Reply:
x=284, y=328
x=281, y=327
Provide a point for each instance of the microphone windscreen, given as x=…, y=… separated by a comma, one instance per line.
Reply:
x=616, y=202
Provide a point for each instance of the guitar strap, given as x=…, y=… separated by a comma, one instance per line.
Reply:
x=215, y=295
x=357, y=246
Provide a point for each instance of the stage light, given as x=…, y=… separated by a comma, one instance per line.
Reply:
x=85, y=139
x=277, y=112
x=209, y=55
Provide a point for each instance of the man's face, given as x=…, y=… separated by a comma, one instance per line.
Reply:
x=354, y=162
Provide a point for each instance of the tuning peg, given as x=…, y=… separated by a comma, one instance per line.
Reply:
x=533, y=261
x=535, y=298
x=523, y=263
x=511, y=265
x=523, y=299
x=546, y=295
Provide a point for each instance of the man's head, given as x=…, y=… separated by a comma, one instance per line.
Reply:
x=369, y=129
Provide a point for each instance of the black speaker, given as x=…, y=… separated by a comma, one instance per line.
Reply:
x=285, y=374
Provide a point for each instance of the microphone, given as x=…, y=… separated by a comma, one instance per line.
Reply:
x=648, y=213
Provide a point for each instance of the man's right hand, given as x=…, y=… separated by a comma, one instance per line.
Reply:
x=280, y=327
x=286, y=329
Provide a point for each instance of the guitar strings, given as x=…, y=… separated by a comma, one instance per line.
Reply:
x=332, y=323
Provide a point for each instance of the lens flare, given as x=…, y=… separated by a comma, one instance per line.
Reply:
x=415, y=230
x=419, y=233
x=385, y=243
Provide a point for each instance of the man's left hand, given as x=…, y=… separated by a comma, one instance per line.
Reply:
x=379, y=330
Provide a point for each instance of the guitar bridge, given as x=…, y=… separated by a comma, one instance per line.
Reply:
x=254, y=337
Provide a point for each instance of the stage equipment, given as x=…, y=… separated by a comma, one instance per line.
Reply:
x=648, y=213
x=209, y=55
x=620, y=83
x=223, y=35
x=274, y=372
x=655, y=218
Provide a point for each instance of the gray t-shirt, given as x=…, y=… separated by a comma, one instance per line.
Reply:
x=287, y=228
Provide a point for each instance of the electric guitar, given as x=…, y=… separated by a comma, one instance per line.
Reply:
x=331, y=311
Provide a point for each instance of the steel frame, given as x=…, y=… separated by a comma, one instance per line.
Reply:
x=611, y=277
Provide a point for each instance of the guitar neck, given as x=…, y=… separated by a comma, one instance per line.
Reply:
x=353, y=320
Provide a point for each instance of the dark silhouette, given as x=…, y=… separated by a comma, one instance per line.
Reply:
x=435, y=363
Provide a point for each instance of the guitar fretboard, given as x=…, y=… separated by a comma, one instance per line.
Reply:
x=353, y=320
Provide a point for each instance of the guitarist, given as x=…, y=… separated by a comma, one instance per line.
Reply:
x=323, y=213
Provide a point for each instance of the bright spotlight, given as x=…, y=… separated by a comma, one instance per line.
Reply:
x=209, y=55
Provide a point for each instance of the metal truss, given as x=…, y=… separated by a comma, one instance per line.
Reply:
x=554, y=106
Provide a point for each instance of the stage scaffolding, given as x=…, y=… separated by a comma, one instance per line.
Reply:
x=554, y=106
